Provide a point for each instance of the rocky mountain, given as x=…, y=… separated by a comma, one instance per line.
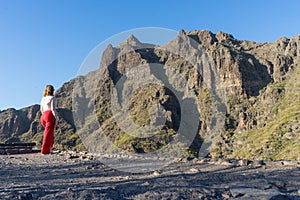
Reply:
x=201, y=91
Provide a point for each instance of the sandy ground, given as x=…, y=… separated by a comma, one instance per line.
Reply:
x=71, y=175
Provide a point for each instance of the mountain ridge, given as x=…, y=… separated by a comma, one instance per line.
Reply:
x=252, y=76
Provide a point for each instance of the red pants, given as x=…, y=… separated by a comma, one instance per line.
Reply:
x=48, y=122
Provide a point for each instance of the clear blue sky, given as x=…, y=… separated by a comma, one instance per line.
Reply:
x=45, y=42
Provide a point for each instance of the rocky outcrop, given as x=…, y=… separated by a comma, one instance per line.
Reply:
x=14, y=123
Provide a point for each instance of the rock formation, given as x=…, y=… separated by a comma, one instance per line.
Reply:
x=244, y=92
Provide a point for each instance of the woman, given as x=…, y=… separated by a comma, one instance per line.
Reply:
x=49, y=118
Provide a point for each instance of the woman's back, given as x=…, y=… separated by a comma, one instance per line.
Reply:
x=48, y=103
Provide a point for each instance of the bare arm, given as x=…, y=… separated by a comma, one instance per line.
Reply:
x=53, y=108
x=41, y=106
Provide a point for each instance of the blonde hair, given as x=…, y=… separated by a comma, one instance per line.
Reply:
x=49, y=90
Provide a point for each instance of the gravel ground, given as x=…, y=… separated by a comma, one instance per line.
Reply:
x=79, y=175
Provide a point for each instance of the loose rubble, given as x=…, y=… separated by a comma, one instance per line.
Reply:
x=82, y=175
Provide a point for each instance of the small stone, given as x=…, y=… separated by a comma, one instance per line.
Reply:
x=73, y=156
x=194, y=170
x=289, y=163
x=227, y=163
x=244, y=162
x=145, y=184
x=204, y=160
x=280, y=184
x=25, y=196
x=156, y=173
x=258, y=163
x=225, y=196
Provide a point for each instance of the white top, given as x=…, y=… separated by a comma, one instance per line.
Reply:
x=49, y=103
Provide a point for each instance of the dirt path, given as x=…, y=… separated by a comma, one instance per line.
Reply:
x=81, y=176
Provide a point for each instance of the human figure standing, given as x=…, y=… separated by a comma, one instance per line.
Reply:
x=48, y=119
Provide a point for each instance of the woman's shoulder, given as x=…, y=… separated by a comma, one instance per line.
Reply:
x=48, y=97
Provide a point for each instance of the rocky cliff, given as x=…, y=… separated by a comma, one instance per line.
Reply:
x=242, y=96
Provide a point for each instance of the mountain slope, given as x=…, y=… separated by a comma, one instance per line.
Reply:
x=242, y=96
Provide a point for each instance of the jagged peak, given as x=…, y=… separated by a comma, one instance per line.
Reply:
x=282, y=40
x=200, y=32
x=109, y=49
x=182, y=35
x=109, y=46
x=182, y=32
x=132, y=41
x=207, y=38
x=177, y=40
x=296, y=38
x=204, y=37
x=221, y=36
x=108, y=55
